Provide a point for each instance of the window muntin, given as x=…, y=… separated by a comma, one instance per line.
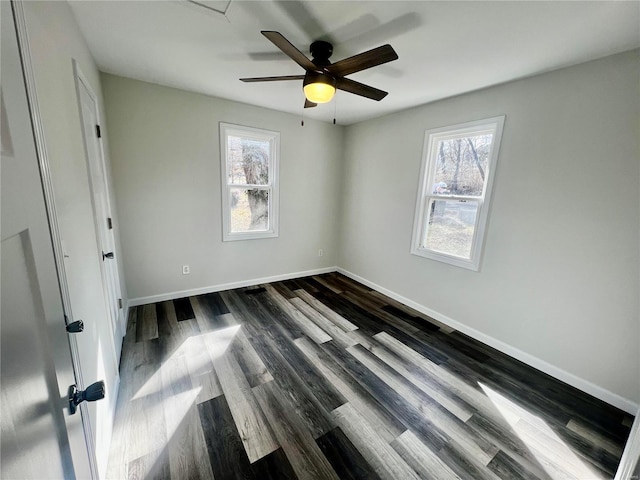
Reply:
x=452, y=207
x=249, y=160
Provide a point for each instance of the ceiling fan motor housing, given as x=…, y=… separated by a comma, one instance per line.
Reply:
x=321, y=51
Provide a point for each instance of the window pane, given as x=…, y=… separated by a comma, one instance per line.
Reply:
x=451, y=226
x=249, y=210
x=248, y=161
x=461, y=164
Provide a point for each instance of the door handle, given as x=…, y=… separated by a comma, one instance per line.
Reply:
x=107, y=255
x=93, y=392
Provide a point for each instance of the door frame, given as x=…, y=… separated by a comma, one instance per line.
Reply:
x=47, y=188
x=118, y=326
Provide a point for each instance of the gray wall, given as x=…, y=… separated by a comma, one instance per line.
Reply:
x=166, y=168
x=558, y=285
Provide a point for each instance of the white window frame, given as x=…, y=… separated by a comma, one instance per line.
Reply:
x=492, y=125
x=226, y=130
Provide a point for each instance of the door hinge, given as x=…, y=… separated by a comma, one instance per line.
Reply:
x=119, y=303
x=109, y=224
x=98, y=131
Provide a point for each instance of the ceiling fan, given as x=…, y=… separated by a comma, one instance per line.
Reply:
x=322, y=77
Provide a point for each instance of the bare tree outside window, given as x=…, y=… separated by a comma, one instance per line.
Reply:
x=461, y=164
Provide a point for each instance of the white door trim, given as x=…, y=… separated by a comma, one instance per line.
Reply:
x=631, y=453
x=118, y=325
x=47, y=183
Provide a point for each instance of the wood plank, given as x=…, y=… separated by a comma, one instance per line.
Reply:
x=184, y=310
x=264, y=306
x=152, y=466
x=383, y=459
x=171, y=333
x=321, y=321
x=465, y=466
x=282, y=289
x=305, y=456
x=147, y=324
x=250, y=422
x=396, y=322
x=132, y=320
x=506, y=467
x=164, y=328
x=339, y=320
x=345, y=458
x=326, y=393
x=512, y=445
x=309, y=328
x=186, y=449
x=349, y=284
x=203, y=319
x=238, y=308
x=327, y=283
x=364, y=320
x=410, y=416
x=595, y=438
x=463, y=437
x=201, y=371
x=447, y=380
x=411, y=311
x=545, y=443
x=423, y=460
x=448, y=400
x=118, y=455
x=145, y=416
x=225, y=451
x=274, y=466
x=180, y=331
x=250, y=362
x=310, y=412
x=387, y=426
x=421, y=324
x=215, y=304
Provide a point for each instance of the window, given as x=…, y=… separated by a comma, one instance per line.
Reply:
x=458, y=165
x=249, y=160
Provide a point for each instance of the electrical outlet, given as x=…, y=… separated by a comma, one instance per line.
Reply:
x=320, y=252
x=186, y=270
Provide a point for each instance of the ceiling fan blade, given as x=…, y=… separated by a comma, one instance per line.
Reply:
x=361, y=89
x=362, y=61
x=285, y=45
x=273, y=79
x=308, y=104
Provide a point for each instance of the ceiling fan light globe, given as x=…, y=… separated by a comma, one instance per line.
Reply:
x=319, y=92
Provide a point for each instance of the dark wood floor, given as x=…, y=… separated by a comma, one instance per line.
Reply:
x=323, y=378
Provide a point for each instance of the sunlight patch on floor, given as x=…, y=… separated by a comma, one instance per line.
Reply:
x=217, y=343
x=551, y=452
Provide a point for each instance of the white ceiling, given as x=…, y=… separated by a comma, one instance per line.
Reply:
x=445, y=48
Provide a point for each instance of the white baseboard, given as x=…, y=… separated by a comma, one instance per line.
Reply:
x=134, y=302
x=573, y=380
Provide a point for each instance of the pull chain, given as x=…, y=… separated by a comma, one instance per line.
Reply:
x=335, y=103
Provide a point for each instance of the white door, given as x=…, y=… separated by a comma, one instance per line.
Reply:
x=101, y=205
x=39, y=438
